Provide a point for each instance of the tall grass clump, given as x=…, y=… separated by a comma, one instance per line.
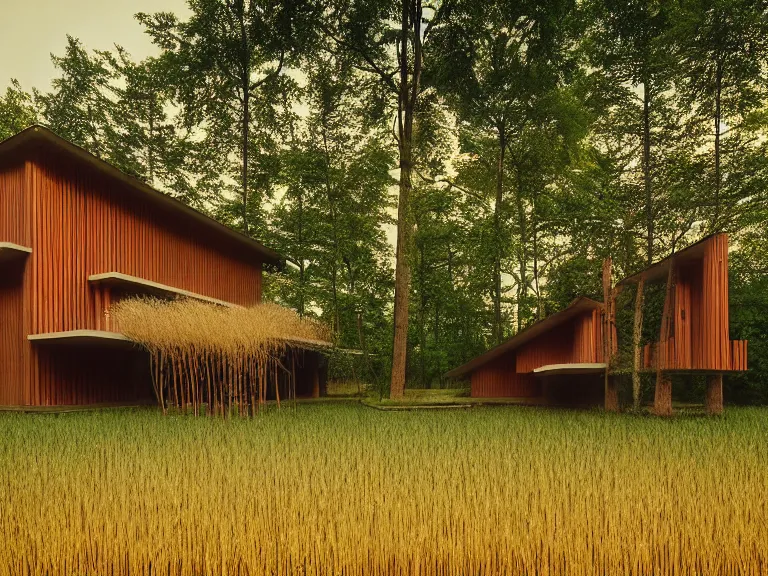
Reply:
x=222, y=357
x=332, y=489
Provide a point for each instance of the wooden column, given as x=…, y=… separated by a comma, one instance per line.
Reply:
x=662, y=402
x=714, y=398
x=611, y=393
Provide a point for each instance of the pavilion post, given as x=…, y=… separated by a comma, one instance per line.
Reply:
x=636, y=339
x=714, y=397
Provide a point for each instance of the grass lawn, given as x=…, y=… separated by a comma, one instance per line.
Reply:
x=331, y=486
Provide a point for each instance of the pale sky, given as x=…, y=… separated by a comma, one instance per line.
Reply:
x=31, y=29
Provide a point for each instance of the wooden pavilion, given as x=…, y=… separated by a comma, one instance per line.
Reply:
x=694, y=336
x=566, y=359
x=77, y=235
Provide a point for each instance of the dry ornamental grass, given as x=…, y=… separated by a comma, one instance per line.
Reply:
x=341, y=489
x=220, y=357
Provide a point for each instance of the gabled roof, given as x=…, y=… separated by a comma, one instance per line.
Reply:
x=579, y=305
x=657, y=272
x=41, y=135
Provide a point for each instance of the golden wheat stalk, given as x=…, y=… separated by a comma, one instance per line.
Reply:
x=225, y=358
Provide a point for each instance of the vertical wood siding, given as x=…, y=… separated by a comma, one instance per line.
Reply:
x=11, y=333
x=579, y=340
x=700, y=311
x=79, y=223
x=13, y=228
x=499, y=379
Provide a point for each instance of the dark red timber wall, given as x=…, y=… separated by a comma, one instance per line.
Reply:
x=79, y=222
x=700, y=337
x=500, y=379
x=578, y=340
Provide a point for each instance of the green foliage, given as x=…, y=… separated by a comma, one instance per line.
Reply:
x=17, y=110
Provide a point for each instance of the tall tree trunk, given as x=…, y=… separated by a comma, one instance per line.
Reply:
x=662, y=403
x=498, y=333
x=245, y=85
x=522, y=288
x=407, y=95
x=534, y=235
x=637, y=334
x=611, y=393
x=422, y=327
x=334, y=232
x=150, y=145
x=647, y=168
x=301, y=254
x=718, y=117
x=437, y=343
x=244, y=175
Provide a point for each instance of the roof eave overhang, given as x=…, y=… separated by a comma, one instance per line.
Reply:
x=42, y=134
x=579, y=305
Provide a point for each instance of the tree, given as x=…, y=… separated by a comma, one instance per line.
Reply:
x=724, y=50
x=630, y=42
x=78, y=108
x=148, y=144
x=17, y=110
x=498, y=61
x=365, y=31
x=329, y=219
x=230, y=57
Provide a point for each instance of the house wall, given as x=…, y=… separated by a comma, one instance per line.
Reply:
x=579, y=340
x=700, y=338
x=500, y=379
x=79, y=223
x=13, y=228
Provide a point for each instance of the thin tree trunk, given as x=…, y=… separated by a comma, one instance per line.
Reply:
x=647, y=169
x=244, y=175
x=663, y=396
x=611, y=394
x=497, y=327
x=437, y=343
x=636, y=339
x=406, y=106
x=522, y=289
x=422, y=328
x=718, y=92
x=301, y=254
x=534, y=227
x=150, y=153
x=245, y=80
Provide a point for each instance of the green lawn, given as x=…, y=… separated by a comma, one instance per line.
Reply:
x=331, y=486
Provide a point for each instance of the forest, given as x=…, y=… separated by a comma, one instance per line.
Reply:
x=440, y=175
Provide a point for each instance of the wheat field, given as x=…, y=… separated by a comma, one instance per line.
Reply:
x=344, y=489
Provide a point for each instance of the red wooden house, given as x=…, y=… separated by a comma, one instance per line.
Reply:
x=76, y=234
x=556, y=360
